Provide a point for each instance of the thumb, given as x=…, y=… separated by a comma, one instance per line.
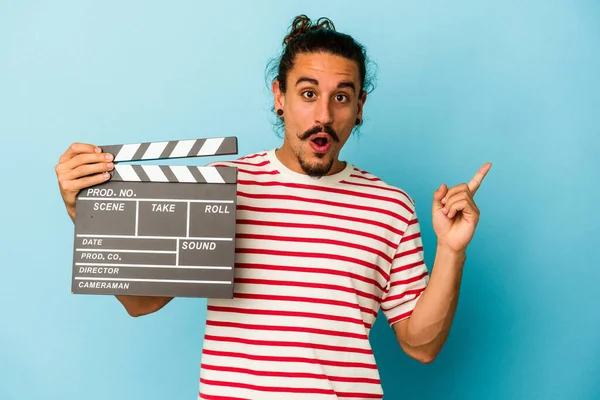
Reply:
x=438, y=195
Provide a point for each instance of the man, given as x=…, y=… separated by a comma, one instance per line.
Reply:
x=321, y=246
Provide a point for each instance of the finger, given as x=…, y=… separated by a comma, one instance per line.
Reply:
x=454, y=199
x=82, y=159
x=437, y=197
x=466, y=205
x=457, y=197
x=78, y=148
x=85, y=182
x=478, y=178
x=464, y=195
x=88, y=169
x=463, y=187
x=456, y=207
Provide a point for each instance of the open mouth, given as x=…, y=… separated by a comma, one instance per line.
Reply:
x=320, y=142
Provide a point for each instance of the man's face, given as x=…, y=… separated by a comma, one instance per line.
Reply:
x=321, y=104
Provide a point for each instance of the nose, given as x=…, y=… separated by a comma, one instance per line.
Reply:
x=323, y=112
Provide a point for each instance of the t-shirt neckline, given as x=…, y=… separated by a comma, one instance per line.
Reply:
x=303, y=178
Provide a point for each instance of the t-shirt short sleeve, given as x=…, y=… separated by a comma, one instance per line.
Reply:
x=408, y=276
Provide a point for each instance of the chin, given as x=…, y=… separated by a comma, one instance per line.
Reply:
x=319, y=164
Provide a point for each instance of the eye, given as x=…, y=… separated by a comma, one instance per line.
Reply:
x=309, y=94
x=341, y=98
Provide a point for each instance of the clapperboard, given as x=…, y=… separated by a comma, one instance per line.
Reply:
x=158, y=230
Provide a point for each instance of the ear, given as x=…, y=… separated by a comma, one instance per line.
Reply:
x=278, y=96
x=361, y=102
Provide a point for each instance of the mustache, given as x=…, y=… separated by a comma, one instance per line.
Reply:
x=320, y=128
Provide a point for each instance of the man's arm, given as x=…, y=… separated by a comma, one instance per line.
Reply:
x=455, y=217
x=424, y=333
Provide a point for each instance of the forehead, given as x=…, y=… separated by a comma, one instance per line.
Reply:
x=324, y=67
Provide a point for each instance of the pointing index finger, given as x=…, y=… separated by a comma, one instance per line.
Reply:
x=478, y=178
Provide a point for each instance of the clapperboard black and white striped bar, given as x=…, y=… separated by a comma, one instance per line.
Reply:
x=159, y=230
x=173, y=149
x=176, y=173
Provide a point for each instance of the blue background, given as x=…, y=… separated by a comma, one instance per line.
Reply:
x=458, y=84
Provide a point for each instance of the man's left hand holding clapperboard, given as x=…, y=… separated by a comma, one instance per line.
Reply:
x=158, y=230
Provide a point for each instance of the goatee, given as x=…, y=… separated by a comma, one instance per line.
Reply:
x=315, y=170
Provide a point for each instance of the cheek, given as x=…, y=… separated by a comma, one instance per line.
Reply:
x=346, y=115
x=345, y=121
x=298, y=118
x=302, y=112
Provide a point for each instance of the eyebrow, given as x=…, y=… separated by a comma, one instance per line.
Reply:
x=347, y=84
x=343, y=84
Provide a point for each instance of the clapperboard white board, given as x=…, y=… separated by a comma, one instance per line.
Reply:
x=158, y=230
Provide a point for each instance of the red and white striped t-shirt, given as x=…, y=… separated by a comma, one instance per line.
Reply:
x=315, y=261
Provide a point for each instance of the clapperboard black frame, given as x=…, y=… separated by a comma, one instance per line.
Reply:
x=158, y=230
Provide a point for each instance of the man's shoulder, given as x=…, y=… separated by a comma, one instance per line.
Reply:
x=378, y=186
